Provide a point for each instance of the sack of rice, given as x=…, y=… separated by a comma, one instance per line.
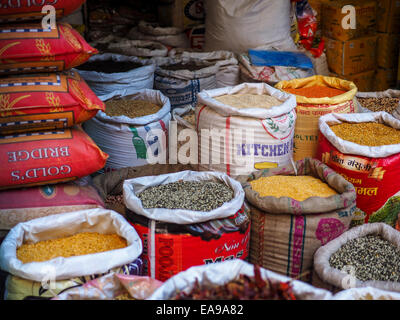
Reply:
x=83, y=243
x=21, y=205
x=139, y=48
x=228, y=73
x=316, y=96
x=368, y=293
x=109, y=72
x=235, y=280
x=241, y=25
x=365, y=149
x=48, y=157
x=256, y=123
x=168, y=36
x=388, y=101
x=268, y=74
x=187, y=218
x=50, y=101
x=17, y=11
x=133, y=128
x=181, y=79
x=294, y=211
x=364, y=256
x=31, y=49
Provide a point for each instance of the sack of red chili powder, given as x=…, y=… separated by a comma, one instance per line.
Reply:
x=319, y=101
x=176, y=239
x=26, y=10
x=47, y=157
x=30, y=48
x=45, y=102
x=374, y=171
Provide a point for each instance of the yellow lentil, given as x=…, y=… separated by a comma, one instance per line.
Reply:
x=296, y=187
x=76, y=245
x=243, y=101
x=130, y=108
x=367, y=133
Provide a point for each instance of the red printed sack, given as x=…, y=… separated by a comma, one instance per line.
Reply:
x=29, y=48
x=24, y=10
x=45, y=102
x=46, y=157
x=374, y=171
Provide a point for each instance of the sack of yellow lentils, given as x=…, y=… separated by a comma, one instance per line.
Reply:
x=365, y=149
x=316, y=96
x=293, y=215
x=48, y=253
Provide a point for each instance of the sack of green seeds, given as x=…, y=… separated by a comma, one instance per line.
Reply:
x=133, y=137
x=364, y=256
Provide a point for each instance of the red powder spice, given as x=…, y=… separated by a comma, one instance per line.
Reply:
x=316, y=92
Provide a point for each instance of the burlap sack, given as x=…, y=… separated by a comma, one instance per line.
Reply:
x=285, y=233
x=341, y=279
x=309, y=110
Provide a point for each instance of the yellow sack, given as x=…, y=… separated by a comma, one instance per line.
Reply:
x=310, y=109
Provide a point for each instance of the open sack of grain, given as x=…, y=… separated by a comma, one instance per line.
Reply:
x=388, y=101
x=316, y=96
x=364, y=256
x=187, y=218
x=294, y=211
x=108, y=72
x=228, y=73
x=211, y=282
x=133, y=127
x=256, y=122
x=58, y=249
x=168, y=36
x=181, y=79
x=365, y=149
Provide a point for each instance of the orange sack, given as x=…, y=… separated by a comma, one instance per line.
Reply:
x=45, y=102
x=23, y=10
x=29, y=48
x=47, y=157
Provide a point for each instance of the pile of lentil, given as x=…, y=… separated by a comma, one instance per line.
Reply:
x=367, y=133
x=204, y=195
x=76, y=245
x=191, y=66
x=373, y=258
x=316, y=91
x=380, y=104
x=244, y=101
x=190, y=117
x=130, y=108
x=299, y=188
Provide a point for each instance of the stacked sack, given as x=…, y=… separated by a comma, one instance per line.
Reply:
x=42, y=104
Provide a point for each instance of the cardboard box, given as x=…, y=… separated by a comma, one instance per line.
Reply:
x=183, y=14
x=388, y=16
x=332, y=18
x=352, y=56
x=364, y=80
x=388, y=50
x=385, y=79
